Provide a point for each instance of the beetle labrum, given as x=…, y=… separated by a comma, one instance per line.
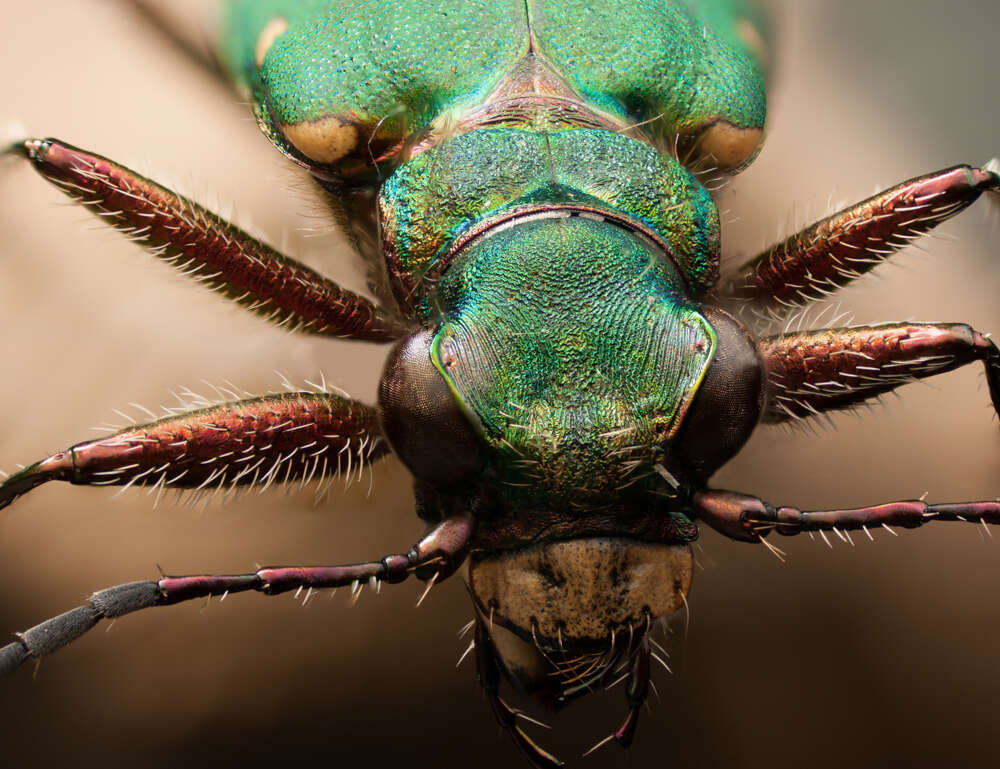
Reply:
x=516, y=208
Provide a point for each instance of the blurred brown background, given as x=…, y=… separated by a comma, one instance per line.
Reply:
x=872, y=656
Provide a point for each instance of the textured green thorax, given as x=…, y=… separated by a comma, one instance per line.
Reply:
x=572, y=340
x=489, y=174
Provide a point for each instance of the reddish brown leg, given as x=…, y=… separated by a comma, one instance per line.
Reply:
x=488, y=668
x=207, y=248
x=748, y=518
x=435, y=557
x=278, y=438
x=637, y=693
x=842, y=247
x=828, y=369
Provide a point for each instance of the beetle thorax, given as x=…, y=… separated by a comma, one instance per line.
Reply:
x=432, y=207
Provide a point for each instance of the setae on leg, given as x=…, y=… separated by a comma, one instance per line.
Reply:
x=435, y=557
x=207, y=248
x=274, y=439
x=833, y=252
x=819, y=371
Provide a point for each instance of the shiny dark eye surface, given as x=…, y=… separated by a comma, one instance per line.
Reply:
x=423, y=418
x=729, y=400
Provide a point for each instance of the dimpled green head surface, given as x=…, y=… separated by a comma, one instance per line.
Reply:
x=686, y=62
x=370, y=59
x=571, y=340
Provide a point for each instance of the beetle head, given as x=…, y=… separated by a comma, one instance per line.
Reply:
x=571, y=396
x=573, y=342
x=570, y=365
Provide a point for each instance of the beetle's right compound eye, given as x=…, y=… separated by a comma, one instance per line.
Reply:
x=423, y=418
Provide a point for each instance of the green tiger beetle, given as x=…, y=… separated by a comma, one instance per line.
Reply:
x=568, y=370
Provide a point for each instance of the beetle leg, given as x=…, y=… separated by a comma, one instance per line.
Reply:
x=488, y=668
x=637, y=692
x=844, y=246
x=208, y=248
x=817, y=371
x=436, y=556
x=277, y=438
x=747, y=518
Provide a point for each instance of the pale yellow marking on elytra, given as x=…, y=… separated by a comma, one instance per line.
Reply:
x=752, y=39
x=326, y=140
x=730, y=146
x=271, y=32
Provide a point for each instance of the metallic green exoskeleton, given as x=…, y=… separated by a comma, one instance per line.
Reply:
x=532, y=208
x=541, y=219
x=526, y=179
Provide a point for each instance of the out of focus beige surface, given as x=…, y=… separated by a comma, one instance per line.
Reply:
x=869, y=656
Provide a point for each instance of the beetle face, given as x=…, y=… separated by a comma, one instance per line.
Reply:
x=571, y=341
x=570, y=369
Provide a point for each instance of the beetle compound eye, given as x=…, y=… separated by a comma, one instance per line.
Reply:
x=729, y=401
x=423, y=418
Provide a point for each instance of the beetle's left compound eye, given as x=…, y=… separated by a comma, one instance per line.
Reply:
x=423, y=418
x=728, y=402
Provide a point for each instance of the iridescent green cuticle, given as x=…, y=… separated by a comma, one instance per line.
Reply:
x=674, y=67
x=573, y=342
x=476, y=176
x=588, y=326
x=693, y=65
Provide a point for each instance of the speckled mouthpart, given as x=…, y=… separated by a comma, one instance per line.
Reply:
x=581, y=590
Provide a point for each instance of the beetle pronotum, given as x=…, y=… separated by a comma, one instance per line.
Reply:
x=818, y=574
